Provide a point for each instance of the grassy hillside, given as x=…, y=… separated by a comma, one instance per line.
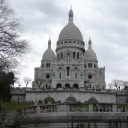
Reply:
x=14, y=106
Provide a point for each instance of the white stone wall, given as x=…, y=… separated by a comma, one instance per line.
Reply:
x=81, y=96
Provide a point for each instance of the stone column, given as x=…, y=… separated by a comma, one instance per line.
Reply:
x=114, y=108
x=90, y=107
x=38, y=109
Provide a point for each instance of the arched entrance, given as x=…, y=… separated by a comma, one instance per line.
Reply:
x=67, y=85
x=48, y=100
x=71, y=100
x=75, y=85
x=59, y=85
x=92, y=100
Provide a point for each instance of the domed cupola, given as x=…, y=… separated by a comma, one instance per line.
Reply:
x=90, y=54
x=49, y=53
x=70, y=35
x=70, y=31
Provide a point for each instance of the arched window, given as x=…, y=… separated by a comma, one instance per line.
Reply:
x=74, y=54
x=58, y=56
x=49, y=65
x=75, y=85
x=85, y=66
x=77, y=55
x=61, y=55
x=90, y=65
x=67, y=85
x=60, y=75
x=68, y=68
x=42, y=65
x=59, y=85
x=46, y=65
x=92, y=100
x=49, y=100
x=94, y=65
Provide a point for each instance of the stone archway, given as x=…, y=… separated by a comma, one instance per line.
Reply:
x=71, y=100
x=75, y=85
x=92, y=100
x=67, y=85
x=59, y=85
x=49, y=100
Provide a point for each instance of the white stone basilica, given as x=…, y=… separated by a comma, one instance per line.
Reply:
x=72, y=73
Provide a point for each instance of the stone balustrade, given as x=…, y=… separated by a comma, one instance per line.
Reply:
x=86, y=107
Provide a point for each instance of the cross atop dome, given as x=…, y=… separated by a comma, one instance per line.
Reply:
x=89, y=43
x=70, y=32
x=49, y=43
x=70, y=14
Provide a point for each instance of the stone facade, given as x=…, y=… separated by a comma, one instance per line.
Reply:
x=72, y=67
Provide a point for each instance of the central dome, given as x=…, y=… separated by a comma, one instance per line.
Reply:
x=70, y=31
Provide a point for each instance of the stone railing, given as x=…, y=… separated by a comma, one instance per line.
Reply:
x=86, y=107
x=79, y=108
x=73, y=89
x=48, y=108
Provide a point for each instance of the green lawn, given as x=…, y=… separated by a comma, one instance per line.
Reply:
x=14, y=106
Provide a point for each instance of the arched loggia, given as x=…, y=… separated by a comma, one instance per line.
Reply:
x=67, y=85
x=75, y=85
x=59, y=85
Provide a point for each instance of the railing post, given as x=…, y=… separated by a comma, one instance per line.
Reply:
x=63, y=108
x=38, y=109
x=114, y=108
x=90, y=107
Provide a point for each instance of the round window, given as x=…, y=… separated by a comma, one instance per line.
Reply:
x=90, y=76
x=47, y=76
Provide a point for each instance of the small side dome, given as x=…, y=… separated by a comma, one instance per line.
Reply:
x=90, y=54
x=49, y=53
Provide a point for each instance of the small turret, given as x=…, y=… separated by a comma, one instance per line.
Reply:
x=49, y=53
x=90, y=54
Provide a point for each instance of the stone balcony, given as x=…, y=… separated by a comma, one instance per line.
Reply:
x=77, y=107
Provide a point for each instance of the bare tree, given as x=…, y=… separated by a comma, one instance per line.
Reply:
x=110, y=85
x=124, y=84
x=12, y=47
x=27, y=80
x=118, y=84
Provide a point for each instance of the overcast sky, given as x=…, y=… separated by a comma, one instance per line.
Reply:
x=105, y=21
